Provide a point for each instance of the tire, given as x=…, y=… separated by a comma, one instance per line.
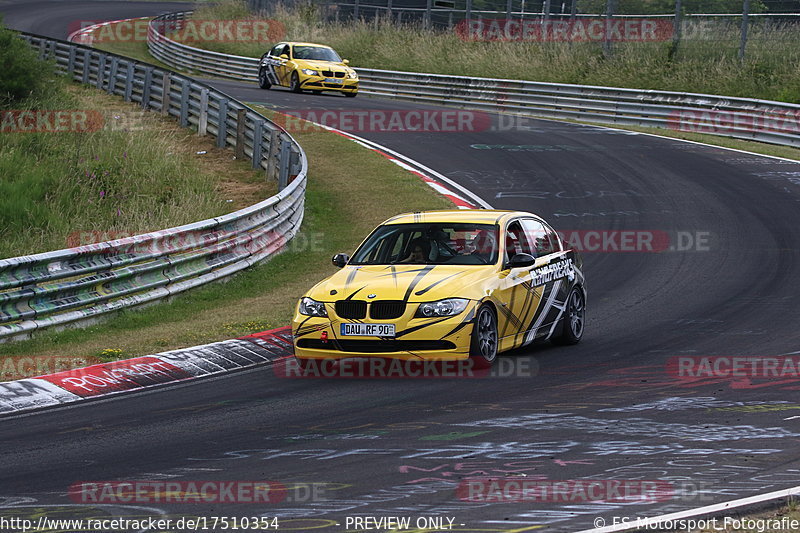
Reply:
x=294, y=84
x=316, y=92
x=483, y=348
x=263, y=80
x=350, y=95
x=574, y=318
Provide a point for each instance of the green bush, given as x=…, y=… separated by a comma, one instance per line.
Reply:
x=24, y=75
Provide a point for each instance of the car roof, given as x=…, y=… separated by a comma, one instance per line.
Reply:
x=477, y=216
x=293, y=43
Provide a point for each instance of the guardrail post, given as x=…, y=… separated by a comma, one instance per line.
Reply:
x=112, y=76
x=241, y=116
x=508, y=9
x=222, y=123
x=745, y=20
x=468, y=14
x=355, y=10
x=272, y=163
x=610, y=5
x=129, y=82
x=676, y=29
x=146, y=90
x=283, y=175
x=166, y=93
x=258, y=140
x=428, y=7
x=87, y=59
x=71, y=63
x=202, y=120
x=101, y=70
x=49, y=48
x=184, y=102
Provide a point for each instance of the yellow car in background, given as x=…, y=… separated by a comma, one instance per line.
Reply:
x=445, y=285
x=307, y=66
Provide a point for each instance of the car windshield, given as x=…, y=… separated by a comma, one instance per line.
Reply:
x=316, y=53
x=429, y=243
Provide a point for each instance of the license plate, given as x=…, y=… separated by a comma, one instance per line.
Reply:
x=332, y=80
x=367, y=330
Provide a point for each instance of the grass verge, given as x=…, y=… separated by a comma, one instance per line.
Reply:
x=350, y=191
x=61, y=186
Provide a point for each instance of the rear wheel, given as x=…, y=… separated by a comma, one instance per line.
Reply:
x=294, y=84
x=350, y=95
x=263, y=80
x=574, y=318
x=483, y=348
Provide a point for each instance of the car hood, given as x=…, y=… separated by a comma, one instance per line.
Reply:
x=413, y=283
x=316, y=64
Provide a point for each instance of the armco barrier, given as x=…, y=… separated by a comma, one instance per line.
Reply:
x=81, y=283
x=744, y=118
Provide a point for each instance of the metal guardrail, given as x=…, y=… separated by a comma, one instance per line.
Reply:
x=82, y=283
x=744, y=118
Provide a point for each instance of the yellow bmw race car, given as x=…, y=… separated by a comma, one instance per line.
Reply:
x=445, y=285
x=307, y=66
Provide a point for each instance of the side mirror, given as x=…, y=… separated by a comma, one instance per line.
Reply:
x=340, y=260
x=346, y=62
x=521, y=260
x=284, y=56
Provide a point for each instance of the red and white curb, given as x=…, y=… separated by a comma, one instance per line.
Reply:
x=142, y=372
x=84, y=35
x=459, y=195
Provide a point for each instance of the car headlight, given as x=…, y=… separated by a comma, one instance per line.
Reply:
x=352, y=75
x=311, y=307
x=309, y=72
x=448, y=307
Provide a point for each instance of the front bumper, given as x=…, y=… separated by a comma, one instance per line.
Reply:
x=318, y=83
x=436, y=340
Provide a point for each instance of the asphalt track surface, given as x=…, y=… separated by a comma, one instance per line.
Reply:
x=607, y=409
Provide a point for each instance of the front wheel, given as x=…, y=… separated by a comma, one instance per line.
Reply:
x=263, y=80
x=483, y=348
x=574, y=318
x=350, y=95
x=294, y=84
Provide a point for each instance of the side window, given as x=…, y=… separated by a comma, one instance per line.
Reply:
x=543, y=237
x=517, y=241
x=279, y=49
